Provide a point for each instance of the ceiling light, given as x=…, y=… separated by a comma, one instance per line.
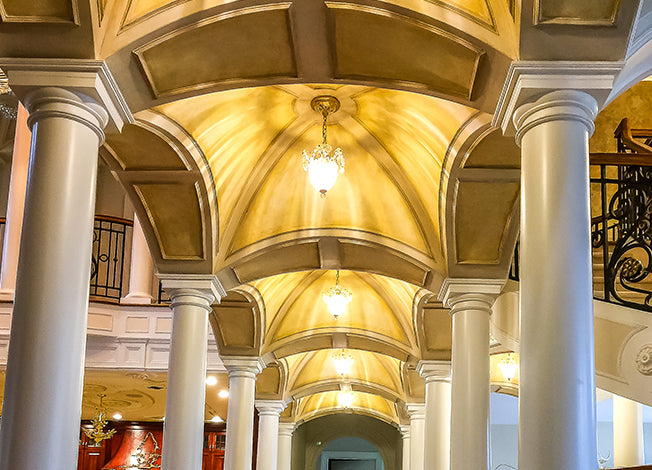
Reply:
x=223, y=394
x=343, y=362
x=324, y=164
x=337, y=298
x=117, y=416
x=346, y=398
x=217, y=419
x=211, y=380
x=508, y=367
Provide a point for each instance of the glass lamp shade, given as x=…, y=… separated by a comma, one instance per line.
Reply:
x=323, y=166
x=346, y=398
x=508, y=368
x=343, y=363
x=337, y=298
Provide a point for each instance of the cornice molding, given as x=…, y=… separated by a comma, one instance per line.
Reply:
x=88, y=77
x=434, y=371
x=528, y=80
x=453, y=288
x=201, y=284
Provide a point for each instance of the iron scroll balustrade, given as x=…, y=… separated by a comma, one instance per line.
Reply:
x=621, y=232
x=108, y=257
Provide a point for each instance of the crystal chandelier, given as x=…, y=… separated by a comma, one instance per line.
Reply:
x=324, y=164
x=508, y=367
x=345, y=398
x=97, y=433
x=343, y=363
x=337, y=298
x=8, y=101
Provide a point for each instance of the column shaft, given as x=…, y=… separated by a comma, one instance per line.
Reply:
x=417, y=430
x=240, y=414
x=470, y=386
x=438, y=413
x=15, y=205
x=405, y=435
x=557, y=424
x=141, y=270
x=628, y=433
x=285, y=431
x=268, y=417
x=183, y=431
x=45, y=366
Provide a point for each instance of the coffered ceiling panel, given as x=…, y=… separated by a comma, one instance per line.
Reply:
x=169, y=206
x=366, y=403
x=577, y=12
x=42, y=11
x=480, y=205
x=216, y=50
x=414, y=52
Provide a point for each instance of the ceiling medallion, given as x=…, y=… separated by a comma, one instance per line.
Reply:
x=508, y=367
x=343, y=363
x=337, y=298
x=324, y=164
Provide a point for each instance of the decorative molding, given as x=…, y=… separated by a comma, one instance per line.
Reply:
x=491, y=26
x=434, y=371
x=644, y=360
x=91, y=78
x=124, y=25
x=528, y=80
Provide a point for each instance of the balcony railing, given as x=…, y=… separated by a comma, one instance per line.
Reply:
x=108, y=259
x=621, y=232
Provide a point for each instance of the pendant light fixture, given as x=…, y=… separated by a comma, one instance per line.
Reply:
x=343, y=363
x=337, y=298
x=508, y=367
x=324, y=163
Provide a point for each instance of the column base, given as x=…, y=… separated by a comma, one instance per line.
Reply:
x=135, y=298
x=7, y=295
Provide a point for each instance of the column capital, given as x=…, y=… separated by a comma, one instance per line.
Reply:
x=90, y=78
x=405, y=431
x=528, y=80
x=461, y=294
x=243, y=366
x=434, y=371
x=286, y=429
x=566, y=105
x=416, y=410
x=196, y=289
x=270, y=407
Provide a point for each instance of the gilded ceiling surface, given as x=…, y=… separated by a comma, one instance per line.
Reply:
x=394, y=145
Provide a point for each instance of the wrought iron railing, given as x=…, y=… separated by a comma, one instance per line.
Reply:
x=621, y=233
x=108, y=259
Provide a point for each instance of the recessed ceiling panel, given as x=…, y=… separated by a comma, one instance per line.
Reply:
x=42, y=11
x=216, y=50
x=175, y=215
x=480, y=207
x=136, y=148
x=576, y=12
x=414, y=52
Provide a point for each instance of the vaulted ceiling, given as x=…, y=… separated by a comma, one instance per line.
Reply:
x=221, y=93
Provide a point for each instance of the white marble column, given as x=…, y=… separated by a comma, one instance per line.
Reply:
x=45, y=366
x=417, y=413
x=405, y=436
x=268, y=417
x=15, y=205
x=285, y=431
x=557, y=423
x=191, y=297
x=628, y=433
x=142, y=270
x=470, y=302
x=240, y=415
x=437, y=375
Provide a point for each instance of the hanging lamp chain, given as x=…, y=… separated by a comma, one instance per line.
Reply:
x=324, y=113
x=337, y=278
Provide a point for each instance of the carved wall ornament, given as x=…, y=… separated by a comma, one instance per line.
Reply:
x=644, y=360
